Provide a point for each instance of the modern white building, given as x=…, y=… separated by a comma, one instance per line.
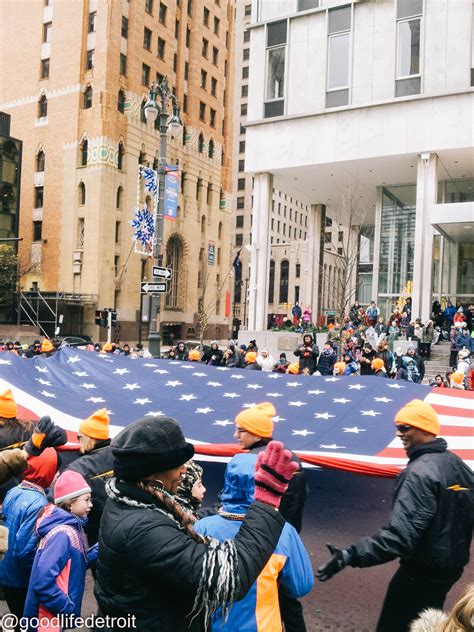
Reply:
x=370, y=99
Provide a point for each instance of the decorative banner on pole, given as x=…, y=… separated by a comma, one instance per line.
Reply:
x=171, y=192
x=211, y=253
x=144, y=220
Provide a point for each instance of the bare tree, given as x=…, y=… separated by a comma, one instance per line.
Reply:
x=206, y=304
x=11, y=273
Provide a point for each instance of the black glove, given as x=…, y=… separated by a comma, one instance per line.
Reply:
x=339, y=560
x=46, y=435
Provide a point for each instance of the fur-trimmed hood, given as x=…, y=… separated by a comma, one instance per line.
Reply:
x=430, y=620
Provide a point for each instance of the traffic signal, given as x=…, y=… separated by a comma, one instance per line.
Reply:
x=114, y=316
x=98, y=316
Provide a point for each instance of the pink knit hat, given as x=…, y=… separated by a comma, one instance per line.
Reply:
x=70, y=485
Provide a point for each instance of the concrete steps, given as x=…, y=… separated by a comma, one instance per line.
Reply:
x=438, y=362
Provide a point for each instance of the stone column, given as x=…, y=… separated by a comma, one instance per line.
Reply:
x=426, y=197
x=316, y=222
x=260, y=254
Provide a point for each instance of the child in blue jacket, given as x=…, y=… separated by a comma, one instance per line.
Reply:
x=20, y=510
x=59, y=569
x=289, y=564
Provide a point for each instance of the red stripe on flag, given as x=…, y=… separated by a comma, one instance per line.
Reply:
x=452, y=392
x=451, y=411
x=399, y=453
x=26, y=414
x=456, y=431
x=358, y=467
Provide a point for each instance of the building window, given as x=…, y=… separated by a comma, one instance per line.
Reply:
x=83, y=155
x=149, y=6
x=124, y=27
x=43, y=106
x=340, y=236
x=245, y=72
x=185, y=103
x=162, y=13
x=119, y=199
x=211, y=149
x=121, y=101
x=88, y=98
x=40, y=160
x=271, y=281
x=246, y=36
x=205, y=47
x=241, y=202
x=205, y=16
x=145, y=74
x=161, y=48
x=120, y=153
x=408, y=47
x=242, y=147
x=38, y=197
x=212, y=117
x=239, y=239
x=118, y=226
x=176, y=29
x=188, y=36
x=37, y=231
x=239, y=221
x=81, y=194
x=175, y=62
x=203, y=79
x=241, y=184
x=174, y=260
x=327, y=221
x=90, y=59
x=246, y=54
x=241, y=165
x=123, y=64
x=47, y=31
x=215, y=55
x=284, y=276
x=244, y=91
x=201, y=143
x=248, y=10
x=213, y=86
x=146, y=38
x=202, y=111
x=339, y=38
x=275, y=83
x=217, y=24
x=44, y=69
x=91, y=22
x=80, y=233
x=304, y=5
x=327, y=238
x=243, y=109
x=190, y=7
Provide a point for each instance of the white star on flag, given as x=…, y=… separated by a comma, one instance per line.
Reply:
x=121, y=371
x=254, y=386
x=187, y=398
x=222, y=422
x=333, y=446
x=131, y=387
x=355, y=430
x=5, y=361
x=95, y=400
x=369, y=413
x=385, y=400
x=231, y=395
x=142, y=401
x=274, y=395
x=356, y=386
x=73, y=359
x=277, y=418
x=323, y=415
x=154, y=413
x=395, y=386
x=200, y=374
x=87, y=385
x=316, y=392
x=294, y=383
x=150, y=365
x=302, y=433
x=223, y=368
x=214, y=384
x=298, y=404
x=43, y=382
x=160, y=371
x=186, y=366
x=81, y=373
x=46, y=394
x=237, y=377
x=332, y=379
x=341, y=400
x=249, y=405
x=41, y=369
x=273, y=376
x=173, y=383
x=204, y=411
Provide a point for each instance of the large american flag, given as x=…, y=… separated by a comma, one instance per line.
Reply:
x=339, y=422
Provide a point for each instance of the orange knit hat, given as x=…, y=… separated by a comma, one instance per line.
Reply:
x=250, y=356
x=293, y=368
x=8, y=408
x=457, y=377
x=97, y=425
x=419, y=415
x=341, y=367
x=377, y=364
x=258, y=419
x=194, y=355
x=47, y=346
x=107, y=347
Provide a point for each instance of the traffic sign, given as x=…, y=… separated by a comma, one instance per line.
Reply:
x=163, y=273
x=154, y=288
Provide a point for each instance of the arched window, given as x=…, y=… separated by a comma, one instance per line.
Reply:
x=222, y=156
x=219, y=231
x=271, y=282
x=142, y=156
x=209, y=193
x=120, y=153
x=201, y=143
x=185, y=140
x=174, y=260
x=210, y=149
x=84, y=151
x=178, y=212
x=203, y=224
x=284, y=275
x=142, y=112
x=155, y=162
x=149, y=204
x=42, y=106
x=183, y=178
x=198, y=187
x=40, y=159
x=87, y=98
x=121, y=101
x=221, y=199
x=119, y=198
x=81, y=194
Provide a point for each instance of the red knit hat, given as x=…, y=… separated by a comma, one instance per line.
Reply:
x=42, y=468
x=70, y=485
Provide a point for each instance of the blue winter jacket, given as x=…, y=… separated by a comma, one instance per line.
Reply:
x=59, y=569
x=21, y=507
x=289, y=564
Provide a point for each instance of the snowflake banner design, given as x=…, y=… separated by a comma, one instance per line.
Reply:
x=144, y=227
x=150, y=178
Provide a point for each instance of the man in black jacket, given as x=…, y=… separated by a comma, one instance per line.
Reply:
x=95, y=464
x=308, y=353
x=429, y=528
x=253, y=432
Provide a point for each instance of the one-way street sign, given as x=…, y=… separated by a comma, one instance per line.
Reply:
x=162, y=273
x=154, y=288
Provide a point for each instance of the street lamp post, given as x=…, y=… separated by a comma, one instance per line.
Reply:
x=172, y=124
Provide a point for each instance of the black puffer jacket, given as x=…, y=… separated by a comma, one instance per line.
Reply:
x=432, y=516
x=96, y=467
x=308, y=353
x=150, y=568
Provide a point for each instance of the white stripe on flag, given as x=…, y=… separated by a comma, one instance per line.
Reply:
x=446, y=400
x=464, y=422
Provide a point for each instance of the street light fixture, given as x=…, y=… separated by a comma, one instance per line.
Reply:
x=153, y=111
